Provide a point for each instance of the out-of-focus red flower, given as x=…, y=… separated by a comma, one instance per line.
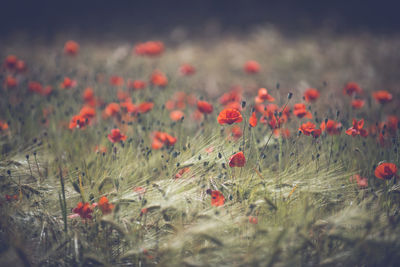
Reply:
x=253, y=220
x=300, y=111
x=181, y=172
x=308, y=128
x=311, y=94
x=237, y=160
x=35, y=87
x=386, y=171
x=204, y=107
x=68, y=83
x=145, y=107
x=104, y=205
x=229, y=116
x=116, y=136
x=160, y=139
x=176, y=115
x=21, y=66
x=357, y=129
x=263, y=95
x=10, y=82
x=382, y=96
x=87, y=112
x=136, y=84
x=129, y=107
x=150, y=48
x=362, y=182
x=77, y=121
x=253, y=120
x=331, y=127
x=71, y=48
x=117, y=80
x=10, y=62
x=392, y=124
x=236, y=132
x=284, y=133
x=217, y=198
x=352, y=88
x=3, y=126
x=47, y=90
x=84, y=210
x=357, y=103
x=159, y=79
x=187, y=69
x=251, y=67
x=233, y=96
x=112, y=109
x=100, y=149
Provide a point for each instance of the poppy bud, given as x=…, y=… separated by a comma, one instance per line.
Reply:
x=208, y=191
x=290, y=94
x=243, y=104
x=337, y=113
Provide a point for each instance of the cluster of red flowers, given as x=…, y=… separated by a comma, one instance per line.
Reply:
x=13, y=64
x=357, y=129
x=84, y=210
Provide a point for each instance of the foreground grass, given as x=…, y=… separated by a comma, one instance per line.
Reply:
x=308, y=210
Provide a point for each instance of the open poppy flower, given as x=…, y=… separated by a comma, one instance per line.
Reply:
x=87, y=112
x=112, y=109
x=352, y=88
x=136, y=84
x=3, y=126
x=104, y=205
x=145, y=107
x=331, y=127
x=84, y=210
x=150, y=48
x=308, y=128
x=237, y=160
x=159, y=79
x=10, y=82
x=204, y=107
x=251, y=67
x=300, y=111
x=128, y=106
x=263, y=95
x=357, y=129
x=382, y=96
x=187, y=69
x=160, y=139
x=253, y=120
x=68, y=83
x=176, y=115
x=229, y=116
x=357, y=103
x=217, y=198
x=116, y=136
x=386, y=171
x=311, y=94
x=77, y=121
x=71, y=48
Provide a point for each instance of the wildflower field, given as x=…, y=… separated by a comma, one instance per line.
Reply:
x=258, y=150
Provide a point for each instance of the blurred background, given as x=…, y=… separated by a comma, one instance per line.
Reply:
x=141, y=19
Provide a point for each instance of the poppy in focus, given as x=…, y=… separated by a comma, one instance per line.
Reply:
x=217, y=198
x=237, y=160
x=229, y=116
x=386, y=171
x=357, y=129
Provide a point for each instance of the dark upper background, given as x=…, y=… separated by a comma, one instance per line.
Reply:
x=126, y=18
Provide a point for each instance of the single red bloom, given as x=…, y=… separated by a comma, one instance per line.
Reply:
x=87, y=112
x=136, y=85
x=116, y=136
x=71, y=48
x=253, y=120
x=159, y=79
x=160, y=139
x=311, y=94
x=128, y=106
x=35, y=87
x=187, y=69
x=382, y=96
x=84, y=210
x=3, y=126
x=300, y=111
x=362, y=182
x=117, y=80
x=237, y=160
x=229, y=116
x=204, y=107
x=145, y=107
x=253, y=220
x=112, y=109
x=68, y=83
x=233, y=96
x=352, y=88
x=104, y=205
x=307, y=128
x=357, y=129
x=77, y=121
x=251, y=67
x=11, y=82
x=263, y=95
x=357, y=103
x=150, y=48
x=217, y=198
x=176, y=115
x=331, y=127
x=386, y=171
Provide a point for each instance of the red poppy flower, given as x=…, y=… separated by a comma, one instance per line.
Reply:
x=160, y=139
x=87, y=112
x=217, y=198
x=392, y=124
x=237, y=160
x=181, y=172
x=187, y=69
x=47, y=90
x=71, y=48
x=10, y=82
x=263, y=95
x=357, y=129
x=311, y=94
x=104, y=205
x=204, y=107
x=3, y=126
x=21, y=66
x=112, y=109
x=129, y=107
x=251, y=67
x=84, y=210
x=236, y=132
x=308, y=128
x=116, y=80
x=284, y=133
x=35, y=87
x=362, y=182
x=159, y=79
x=68, y=83
x=176, y=115
x=232, y=96
x=136, y=84
x=357, y=103
x=229, y=116
x=386, y=171
x=150, y=48
x=382, y=96
x=253, y=120
x=352, y=88
x=116, y=136
x=300, y=111
x=10, y=62
x=253, y=220
x=331, y=127
x=77, y=121
x=145, y=107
